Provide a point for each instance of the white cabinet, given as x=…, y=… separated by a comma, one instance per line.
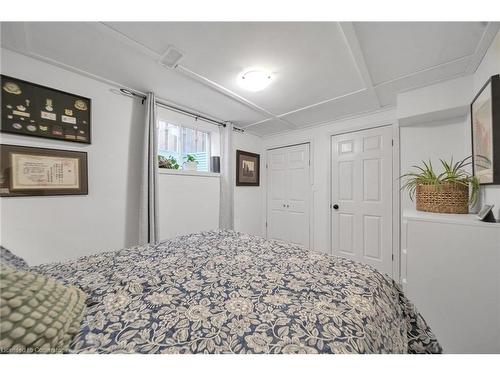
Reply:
x=450, y=268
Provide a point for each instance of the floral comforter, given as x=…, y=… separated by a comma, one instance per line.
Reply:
x=227, y=292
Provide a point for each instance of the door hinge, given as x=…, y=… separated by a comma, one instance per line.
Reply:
x=266, y=224
x=267, y=166
x=392, y=142
x=392, y=256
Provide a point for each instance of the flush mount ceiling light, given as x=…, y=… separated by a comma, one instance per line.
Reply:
x=255, y=80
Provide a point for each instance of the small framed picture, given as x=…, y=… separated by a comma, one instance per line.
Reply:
x=247, y=168
x=485, y=124
x=33, y=171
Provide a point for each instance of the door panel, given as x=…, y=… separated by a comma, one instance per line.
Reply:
x=346, y=232
x=298, y=228
x=298, y=184
x=346, y=175
x=362, y=189
x=289, y=189
x=278, y=225
x=372, y=236
x=371, y=180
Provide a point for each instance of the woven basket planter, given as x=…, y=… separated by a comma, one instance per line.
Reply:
x=448, y=198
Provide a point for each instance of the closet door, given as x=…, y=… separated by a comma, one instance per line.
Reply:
x=277, y=176
x=288, y=192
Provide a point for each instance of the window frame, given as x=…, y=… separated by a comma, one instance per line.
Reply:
x=181, y=145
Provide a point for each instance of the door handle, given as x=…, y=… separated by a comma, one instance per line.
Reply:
x=335, y=206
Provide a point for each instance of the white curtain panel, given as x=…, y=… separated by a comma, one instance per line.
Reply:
x=149, y=183
x=227, y=177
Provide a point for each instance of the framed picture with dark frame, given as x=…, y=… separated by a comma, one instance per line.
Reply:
x=32, y=171
x=38, y=111
x=247, y=168
x=485, y=130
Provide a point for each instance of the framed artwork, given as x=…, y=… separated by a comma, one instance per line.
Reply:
x=247, y=168
x=485, y=123
x=29, y=171
x=39, y=111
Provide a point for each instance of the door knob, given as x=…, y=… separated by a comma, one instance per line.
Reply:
x=335, y=206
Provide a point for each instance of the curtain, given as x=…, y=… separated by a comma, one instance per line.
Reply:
x=149, y=182
x=227, y=170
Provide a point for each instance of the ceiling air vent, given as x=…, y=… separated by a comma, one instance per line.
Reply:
x=171, y=57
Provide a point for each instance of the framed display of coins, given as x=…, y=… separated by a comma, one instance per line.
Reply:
x=39, y=111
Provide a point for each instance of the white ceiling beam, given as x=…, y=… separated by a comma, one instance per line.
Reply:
x=180, y=69
x=230, y=94
x=489, y=34
x=28, y=51
x=352, y=42
x=195, y=76
x=323, y=102
x=110, y=30
x=424, y=70
x=221, y=89
x=348, y=31
x=258, y=122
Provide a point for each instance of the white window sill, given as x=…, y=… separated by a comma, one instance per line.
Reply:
x=181, y=172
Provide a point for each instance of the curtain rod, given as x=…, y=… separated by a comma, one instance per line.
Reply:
x=196, y=116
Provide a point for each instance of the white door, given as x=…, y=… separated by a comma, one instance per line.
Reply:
x=288, y=194
x=361, y=206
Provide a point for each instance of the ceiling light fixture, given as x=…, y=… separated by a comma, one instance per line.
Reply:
x=255, y=80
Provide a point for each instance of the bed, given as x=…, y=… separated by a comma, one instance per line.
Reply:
x=228, y=292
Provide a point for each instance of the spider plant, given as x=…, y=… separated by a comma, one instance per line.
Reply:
x=452, y=173
x=169, y=163
x=190, y=158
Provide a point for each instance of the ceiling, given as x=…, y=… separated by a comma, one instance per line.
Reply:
x=323, y=71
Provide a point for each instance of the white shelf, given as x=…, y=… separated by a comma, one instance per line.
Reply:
x=429, y=117
x=461, y=219
x=181, y=172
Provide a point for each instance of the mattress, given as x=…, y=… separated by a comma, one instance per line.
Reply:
x=228, y=292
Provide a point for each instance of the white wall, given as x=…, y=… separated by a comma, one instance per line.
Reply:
x=432, y=141
x=446, y=107
x=47, y=229
x=436, y=101
x=434, y=125
x=188, y=203
x=248, y=200
x=319, y=138
x=43, y=229
x=55, y=228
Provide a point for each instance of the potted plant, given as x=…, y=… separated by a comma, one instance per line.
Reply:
x=191, y=164
x=451, y=191
x=169, y=163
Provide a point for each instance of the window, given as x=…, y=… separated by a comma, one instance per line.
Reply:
x=179, y=141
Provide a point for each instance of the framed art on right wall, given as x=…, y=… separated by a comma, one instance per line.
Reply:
x=247, y=168
x=485, y=127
